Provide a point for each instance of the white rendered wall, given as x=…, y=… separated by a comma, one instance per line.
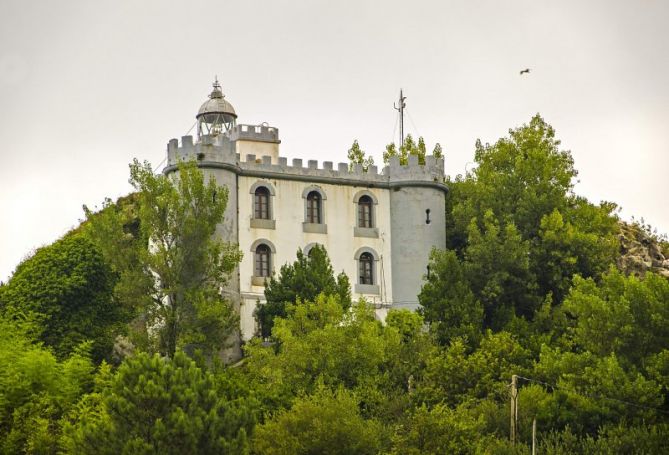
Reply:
x=288, y=212
x=259, y=149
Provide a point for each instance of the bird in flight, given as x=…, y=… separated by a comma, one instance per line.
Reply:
x=526, y=70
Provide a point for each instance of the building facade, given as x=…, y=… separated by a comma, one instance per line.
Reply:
x=377, y=226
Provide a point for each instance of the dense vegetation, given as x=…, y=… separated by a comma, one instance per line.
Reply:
x=108, y=345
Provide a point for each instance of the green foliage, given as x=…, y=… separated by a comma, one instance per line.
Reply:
x=310, y=275
x=526, y=288
x=407, y=359
x=522, y=178
x=497, y=267
x=410, y=147
x=36, y=391
x=525, y=181
x=357, y=156
x=159, y=405
x=486, y=289
x=438, y=152
x=625, y=439
x=317, y=341
x=623, y=315
x=646, y=439
x=177, y=280
x=447, y=301
x=66, y=289
x=116, y=232
x=437, y=431
x=453, y=375
x=591, y=391
x=564, y=248
x=323, y=423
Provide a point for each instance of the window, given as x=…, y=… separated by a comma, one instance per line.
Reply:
x=309, y=249
x=314, y=208
x=365, y=203
x=366, y=264
x=262, y=257
x=365, y=212
x=367, y=260
x=262, y=216
x=261, y=203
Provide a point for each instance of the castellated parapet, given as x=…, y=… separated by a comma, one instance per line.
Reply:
x=258, y=133
x=219, y=152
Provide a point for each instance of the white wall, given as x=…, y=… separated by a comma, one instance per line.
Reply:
x=259, y=149
x=288, y=236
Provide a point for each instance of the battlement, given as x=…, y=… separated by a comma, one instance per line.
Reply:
x=260, y=133
x=219, y=151
x=211, y=148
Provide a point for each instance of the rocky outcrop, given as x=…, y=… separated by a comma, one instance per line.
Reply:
x=641, y=251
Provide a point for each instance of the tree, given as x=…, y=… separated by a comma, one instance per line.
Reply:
x=520, y=178
x=526, y=181
x=178, y=266
x=456, y=375
x=408, y=148
x=562, y=249
x=498, y=270
x=158, y=405
x=318, y=341
x=37, y=390
x=437, y=431
x=447, y=301
x=624, y=315
x=437, y=152
x=66, y=289
x=487, y=288
x=324, y=423
x=590, y=391
x=310, y=275
x=116, y=232
x=357, y=156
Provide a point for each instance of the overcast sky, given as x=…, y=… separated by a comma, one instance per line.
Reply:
x=86, y=86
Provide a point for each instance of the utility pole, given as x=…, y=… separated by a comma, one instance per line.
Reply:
x=400, y=108
x=534, y=436
x=514, y=408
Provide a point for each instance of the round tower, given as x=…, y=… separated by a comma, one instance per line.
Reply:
x=215, y=155
x=418, y=220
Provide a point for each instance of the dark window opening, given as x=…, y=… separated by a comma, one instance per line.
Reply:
x=263, y=254
x=366, y=263
x=314, y=207
x=427, y=216
x=365, y=212
x=261, y=203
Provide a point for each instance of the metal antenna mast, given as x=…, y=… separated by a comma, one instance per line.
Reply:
x=400, y=108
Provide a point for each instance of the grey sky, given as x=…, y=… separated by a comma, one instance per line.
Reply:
x=86, y=86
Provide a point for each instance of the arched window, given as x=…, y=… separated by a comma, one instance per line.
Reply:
x=308, y=250
x=261, y=203
x=366, y=268
x=314, y=208
x=262, y=259
x=365, y=212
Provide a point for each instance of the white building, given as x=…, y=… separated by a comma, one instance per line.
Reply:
x=378, y=227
